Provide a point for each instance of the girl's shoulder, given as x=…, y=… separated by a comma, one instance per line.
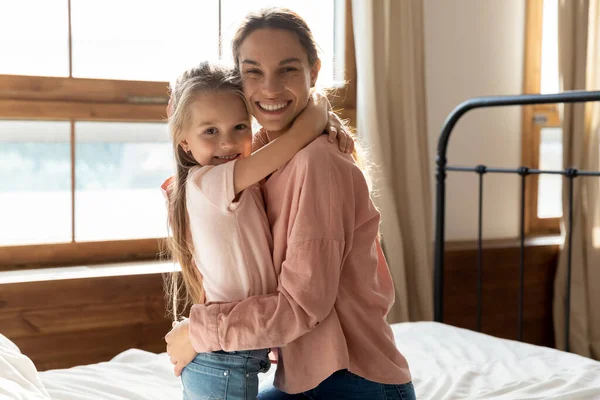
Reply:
x=202, y=175
x=213, y=183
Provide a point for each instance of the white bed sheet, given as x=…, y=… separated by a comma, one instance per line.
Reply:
x=446, y=362
x=453, y=363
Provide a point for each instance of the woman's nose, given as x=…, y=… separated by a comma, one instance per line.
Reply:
x=272, y=86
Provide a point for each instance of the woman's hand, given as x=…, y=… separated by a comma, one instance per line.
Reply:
x=179, y=346
x=336, y=129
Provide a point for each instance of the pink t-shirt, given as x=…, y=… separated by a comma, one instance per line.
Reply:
x=233, y=244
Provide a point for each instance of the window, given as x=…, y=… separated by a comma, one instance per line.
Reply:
x=35, y=182
x=34, y=42
x=83, y=92
x=115, y=39
x=119, y=167
x=145, y=40
x=542, y=133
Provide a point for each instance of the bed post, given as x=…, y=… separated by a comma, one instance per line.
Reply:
x=439, y=239
x=440, y=211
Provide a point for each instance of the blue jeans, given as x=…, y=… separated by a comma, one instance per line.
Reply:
x=345, y=385
x=224, y=376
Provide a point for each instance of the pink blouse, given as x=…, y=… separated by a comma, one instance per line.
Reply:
x=334, y=288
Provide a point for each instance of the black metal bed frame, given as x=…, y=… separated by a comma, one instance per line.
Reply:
x=442, y=168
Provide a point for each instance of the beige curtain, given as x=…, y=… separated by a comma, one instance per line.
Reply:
x=391, y=120
x=579, y=65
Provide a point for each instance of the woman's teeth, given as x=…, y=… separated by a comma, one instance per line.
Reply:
x=231, y=157
x=272, y=107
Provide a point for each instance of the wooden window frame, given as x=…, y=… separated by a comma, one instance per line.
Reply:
x=77, y=99
x=535, y=118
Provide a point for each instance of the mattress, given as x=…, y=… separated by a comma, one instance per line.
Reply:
x=446, y=363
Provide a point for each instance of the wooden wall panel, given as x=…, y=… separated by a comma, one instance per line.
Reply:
x=67, y=349
x=64, y=323
x=79, y=292
x=65, y=319
x=500, y=291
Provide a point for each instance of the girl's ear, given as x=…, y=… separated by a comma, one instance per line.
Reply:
x=184, y=145
x=314, y=72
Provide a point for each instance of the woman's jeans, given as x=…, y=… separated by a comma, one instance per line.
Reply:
x=344, y=385
x=224, y=376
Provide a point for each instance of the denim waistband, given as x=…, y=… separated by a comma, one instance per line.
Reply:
x=236, y=357
x=245, y=353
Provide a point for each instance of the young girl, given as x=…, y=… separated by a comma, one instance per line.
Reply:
x=220, y=233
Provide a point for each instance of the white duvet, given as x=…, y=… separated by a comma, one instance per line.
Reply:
x=18, y=377
x=446, y=362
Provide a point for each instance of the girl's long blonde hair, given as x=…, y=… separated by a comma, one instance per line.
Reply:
x=204, y=78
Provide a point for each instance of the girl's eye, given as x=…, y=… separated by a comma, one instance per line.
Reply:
x=253, y=71
x=241, y=127
x=288, y=69
x=210, y=131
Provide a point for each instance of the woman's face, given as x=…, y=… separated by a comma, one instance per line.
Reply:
x=277, y=76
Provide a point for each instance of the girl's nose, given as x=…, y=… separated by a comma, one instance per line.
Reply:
x=227, y=141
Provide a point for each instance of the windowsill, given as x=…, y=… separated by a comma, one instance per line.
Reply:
x=91, y=271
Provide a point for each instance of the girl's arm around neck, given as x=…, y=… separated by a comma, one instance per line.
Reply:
x=307, y=127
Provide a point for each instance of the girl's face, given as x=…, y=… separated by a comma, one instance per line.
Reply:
x=276, y=76
x=219, y=130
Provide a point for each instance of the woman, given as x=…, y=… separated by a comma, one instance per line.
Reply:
x=328, y=315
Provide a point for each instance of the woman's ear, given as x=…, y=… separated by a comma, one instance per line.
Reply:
x=314, y=72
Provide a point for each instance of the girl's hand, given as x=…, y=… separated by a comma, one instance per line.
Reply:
x=336, y=129
x=318, y=116
x=179, y=346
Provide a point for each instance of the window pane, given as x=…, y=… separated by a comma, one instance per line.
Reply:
x=119, y=168
x=148, y=40
x=35, y=182
x=319, y=15
x=34, y=37
x=549, y=67
x=550, y=186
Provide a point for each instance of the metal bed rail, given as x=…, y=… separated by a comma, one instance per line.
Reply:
x=442, y=168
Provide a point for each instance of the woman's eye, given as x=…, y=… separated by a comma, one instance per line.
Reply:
x=241, y=127
x=253, y=71
x=210, y=131
x=288, y=69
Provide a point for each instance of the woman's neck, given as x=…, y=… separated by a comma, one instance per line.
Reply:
x=272, y=135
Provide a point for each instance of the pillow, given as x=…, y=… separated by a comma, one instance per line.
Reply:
x=19, y=378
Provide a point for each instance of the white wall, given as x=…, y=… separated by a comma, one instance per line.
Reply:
x=475, y=48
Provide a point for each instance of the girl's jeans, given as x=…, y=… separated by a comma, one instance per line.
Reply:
x=224, y=375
